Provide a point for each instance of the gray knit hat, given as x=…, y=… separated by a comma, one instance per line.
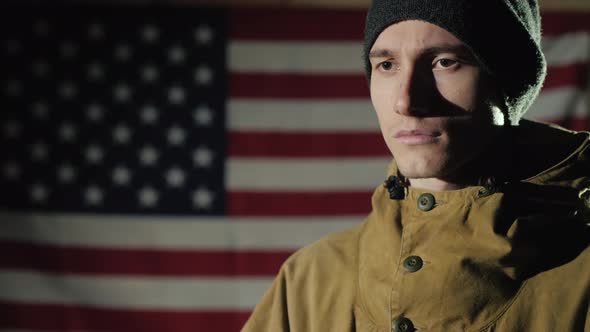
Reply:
x=504, y=35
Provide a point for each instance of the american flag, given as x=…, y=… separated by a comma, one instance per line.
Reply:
x=159, y=163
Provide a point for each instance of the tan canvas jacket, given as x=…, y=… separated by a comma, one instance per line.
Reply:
x=513, y=259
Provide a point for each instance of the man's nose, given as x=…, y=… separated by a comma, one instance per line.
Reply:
x=414, y=92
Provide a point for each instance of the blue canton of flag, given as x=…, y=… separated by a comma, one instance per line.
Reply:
x=116, y=111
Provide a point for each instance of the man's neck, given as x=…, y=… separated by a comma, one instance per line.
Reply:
x=435, y=184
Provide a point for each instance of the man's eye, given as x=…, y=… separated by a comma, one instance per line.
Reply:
x=386, y=65
x=445, y=63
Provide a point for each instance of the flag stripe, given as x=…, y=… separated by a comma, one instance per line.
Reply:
x=577, y=45
x=244, y=203
x=557, y=23
x=317, y=174
x=295, y=57
x=311, y=24
x=314, y=57
x=268, y=115
x=350, y=86
x=574, y=75
x=146, y=293
x=300, y=24
x=283, y=117
x=135, y=262
x=178, y=233
x=556, y=104
x=300, y=86
x=60, y=317
x=288, y=145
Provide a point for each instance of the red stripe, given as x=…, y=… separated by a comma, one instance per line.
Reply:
x=297, y=24
x=326, y=25
x=354, y=86
x=575, y=74
x=298, y=204
x=56, y=317
x=281, y=144
x=309, y=86
x=555, y=23
x=133, y=262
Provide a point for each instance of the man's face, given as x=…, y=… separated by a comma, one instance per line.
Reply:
x=434, y=103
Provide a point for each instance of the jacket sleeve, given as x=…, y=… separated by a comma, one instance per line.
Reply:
x=271, y=313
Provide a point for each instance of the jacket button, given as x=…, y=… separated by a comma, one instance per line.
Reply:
x=413, y=263
x=402, y=324
x=426, y=202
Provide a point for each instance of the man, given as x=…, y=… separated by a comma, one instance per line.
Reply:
x=482, y=224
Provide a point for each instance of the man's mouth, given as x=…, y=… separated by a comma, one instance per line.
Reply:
x=417, y=136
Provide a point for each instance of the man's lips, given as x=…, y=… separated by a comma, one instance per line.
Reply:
x=416, y=137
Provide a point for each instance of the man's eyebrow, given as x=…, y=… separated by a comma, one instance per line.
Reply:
x=381, y=53
x=458, y=49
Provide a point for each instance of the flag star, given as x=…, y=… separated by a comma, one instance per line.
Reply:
x=204, y=34
x=149, y=73
x=68, y=90
x=202, y=157
x=203, y=75
x=176, y=54
x=39, y=193
x=148, y=197
x=41, y=28
x=95, y=71
x=121, y=134
x=12, y=129
x=150, y=33
x=67, y=132
x=94, y=154
x=202, y=198
x=176, y=135
x=13, y=88
x=66, y=173
x=148, y=155
x=176, y=95
x=94, y=112
x=12, y=47
x=68, y=49
x=93, y=195
x=175, y=177
x=40, y=68
x=149, y=114
x=39, y=151
x=123, y=52
x=122, y=92
x=121, y=175
x=203, y=115
x=40, y=110
x=95, y=31
x=11, y=170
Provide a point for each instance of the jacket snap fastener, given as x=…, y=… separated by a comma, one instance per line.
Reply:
x=402, y=324
x=413, y=263
x=426, y=202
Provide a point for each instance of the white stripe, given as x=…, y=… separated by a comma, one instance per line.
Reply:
x=567, y=48
x=358, y=115
x=133, y=293
x=346, y=57
x=168, y=232
x=297, y=115
x=556, y=103
x=300, y=57
x=305, y=175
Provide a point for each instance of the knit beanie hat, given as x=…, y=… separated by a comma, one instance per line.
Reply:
x=504, y=36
